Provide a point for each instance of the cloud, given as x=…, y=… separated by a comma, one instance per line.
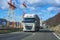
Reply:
x=50, y=9
x=4, y=4
x=31, y=3
x=39, y=3
x=34, y=4
x=32, y=8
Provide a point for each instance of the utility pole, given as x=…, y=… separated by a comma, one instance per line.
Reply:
x=11, y=14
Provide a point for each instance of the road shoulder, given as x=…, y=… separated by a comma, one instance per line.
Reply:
x=57, y=35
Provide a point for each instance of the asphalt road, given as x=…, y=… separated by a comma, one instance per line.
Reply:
x=41, y=35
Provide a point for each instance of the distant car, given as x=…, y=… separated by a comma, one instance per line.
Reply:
x=3, y=22
x=41, y=27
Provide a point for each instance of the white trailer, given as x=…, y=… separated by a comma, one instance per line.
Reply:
x=31, y=22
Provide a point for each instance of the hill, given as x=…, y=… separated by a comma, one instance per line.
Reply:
x=54, y=21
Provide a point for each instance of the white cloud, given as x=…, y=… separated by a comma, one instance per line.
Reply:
x=43, y=2
x=32, y=8
x=33, y=1
x=29, y=1
x=53, y=9
x=57, y=1
x=4, y=4
x=29, y=7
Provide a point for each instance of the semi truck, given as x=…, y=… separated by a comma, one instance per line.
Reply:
x=31, y=22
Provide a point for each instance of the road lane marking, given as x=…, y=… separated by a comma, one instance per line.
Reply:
x=57, y=36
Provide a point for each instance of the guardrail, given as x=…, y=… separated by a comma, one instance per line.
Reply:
x=10, y=30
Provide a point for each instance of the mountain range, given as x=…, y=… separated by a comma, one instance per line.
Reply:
x=54, y=21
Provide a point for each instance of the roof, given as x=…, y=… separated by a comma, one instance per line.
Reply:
x=29, y=15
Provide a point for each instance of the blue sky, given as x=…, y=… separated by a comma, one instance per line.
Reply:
x=45, y=9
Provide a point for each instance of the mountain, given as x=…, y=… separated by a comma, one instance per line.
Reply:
x=54, y=21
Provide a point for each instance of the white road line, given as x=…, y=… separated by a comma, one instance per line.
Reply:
x=57, y=36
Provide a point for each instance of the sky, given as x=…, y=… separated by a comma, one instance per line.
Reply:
x=45, y=9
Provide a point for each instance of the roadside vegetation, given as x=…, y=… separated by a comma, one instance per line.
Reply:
x=56, y=28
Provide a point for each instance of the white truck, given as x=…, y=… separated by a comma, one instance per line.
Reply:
x=31, y=22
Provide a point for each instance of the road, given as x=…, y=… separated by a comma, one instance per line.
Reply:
x=41, y=35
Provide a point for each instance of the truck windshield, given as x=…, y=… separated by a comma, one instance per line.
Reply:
x=30, y=20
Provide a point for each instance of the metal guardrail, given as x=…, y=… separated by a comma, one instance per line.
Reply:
x=16, y=29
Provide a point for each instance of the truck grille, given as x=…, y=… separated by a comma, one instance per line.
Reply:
x=28, y=27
